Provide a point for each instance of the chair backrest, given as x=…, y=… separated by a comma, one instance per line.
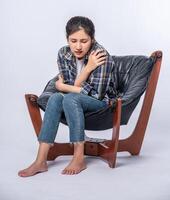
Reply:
x=130, y=77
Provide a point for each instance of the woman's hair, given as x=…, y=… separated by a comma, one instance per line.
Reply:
x=77, y=23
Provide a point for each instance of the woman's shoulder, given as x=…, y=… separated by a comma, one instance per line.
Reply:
x=64, y=50
x=97, y=46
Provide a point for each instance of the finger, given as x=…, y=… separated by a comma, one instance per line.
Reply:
x=100, y=63
x=97, y=51
x=100, y=54
x=92, y=52
x=101, y=58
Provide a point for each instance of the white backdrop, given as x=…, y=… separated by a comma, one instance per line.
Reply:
x=32, y=31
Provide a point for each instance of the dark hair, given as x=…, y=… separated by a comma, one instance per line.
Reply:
x=77, y=23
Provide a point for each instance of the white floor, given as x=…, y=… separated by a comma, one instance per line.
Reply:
x=136, y=178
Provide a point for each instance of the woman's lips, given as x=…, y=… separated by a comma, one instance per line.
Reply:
x=78, y=52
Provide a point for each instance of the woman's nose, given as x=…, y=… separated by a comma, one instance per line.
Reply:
x=78, y=46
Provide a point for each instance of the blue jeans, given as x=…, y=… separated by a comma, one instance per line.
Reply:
x=73, y=105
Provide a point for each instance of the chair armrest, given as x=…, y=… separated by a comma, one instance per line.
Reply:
x=34, y=111
x=157, y=54
x=32, y=98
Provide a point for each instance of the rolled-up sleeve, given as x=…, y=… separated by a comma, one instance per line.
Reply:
x=62, y=67
x=86, y=88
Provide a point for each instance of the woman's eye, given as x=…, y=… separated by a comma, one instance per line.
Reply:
x=73, y=41
x=84, y=41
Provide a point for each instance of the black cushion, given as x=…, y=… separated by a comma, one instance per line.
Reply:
x=49, y=90
x=130, y=76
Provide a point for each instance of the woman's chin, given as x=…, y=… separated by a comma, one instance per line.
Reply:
x=79, y=56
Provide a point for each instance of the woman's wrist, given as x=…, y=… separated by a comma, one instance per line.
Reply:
x=59, y=86
x=88, y=69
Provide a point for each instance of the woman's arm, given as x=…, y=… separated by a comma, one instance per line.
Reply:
x=83, y=76
x=98, y=84
x=61, y=86
x=63, y=67
x=69, y=88
x=96, y=58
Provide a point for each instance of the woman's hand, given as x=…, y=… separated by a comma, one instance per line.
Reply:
x=95, y=59
x=59, y=83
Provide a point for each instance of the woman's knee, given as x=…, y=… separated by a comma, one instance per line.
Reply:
x=71, y=99
x=56, y=98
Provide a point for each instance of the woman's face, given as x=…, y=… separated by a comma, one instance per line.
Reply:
x=80, y=43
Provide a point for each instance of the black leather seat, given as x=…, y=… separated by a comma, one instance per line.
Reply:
x=130, y=76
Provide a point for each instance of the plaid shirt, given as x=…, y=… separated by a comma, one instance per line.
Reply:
x=98, y=84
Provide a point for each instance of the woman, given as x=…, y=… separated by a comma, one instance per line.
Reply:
x=83, y=85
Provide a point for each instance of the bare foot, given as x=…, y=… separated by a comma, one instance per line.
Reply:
x=74, y=167
x=33, y=169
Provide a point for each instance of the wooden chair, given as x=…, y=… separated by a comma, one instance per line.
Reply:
x=107, y=149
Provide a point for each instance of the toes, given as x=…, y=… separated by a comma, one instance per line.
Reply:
x=73, y=169
x=68, y=172
x=64, y=171
x=72, y=172
x=27, y=173
x=77, y=172
x=21, y=172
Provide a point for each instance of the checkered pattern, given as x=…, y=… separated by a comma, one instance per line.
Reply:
x=98, y=83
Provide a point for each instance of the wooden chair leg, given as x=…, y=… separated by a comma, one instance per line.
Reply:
x=133, y=143
x=60, y=149
x=105, y=150
x=108, y=150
